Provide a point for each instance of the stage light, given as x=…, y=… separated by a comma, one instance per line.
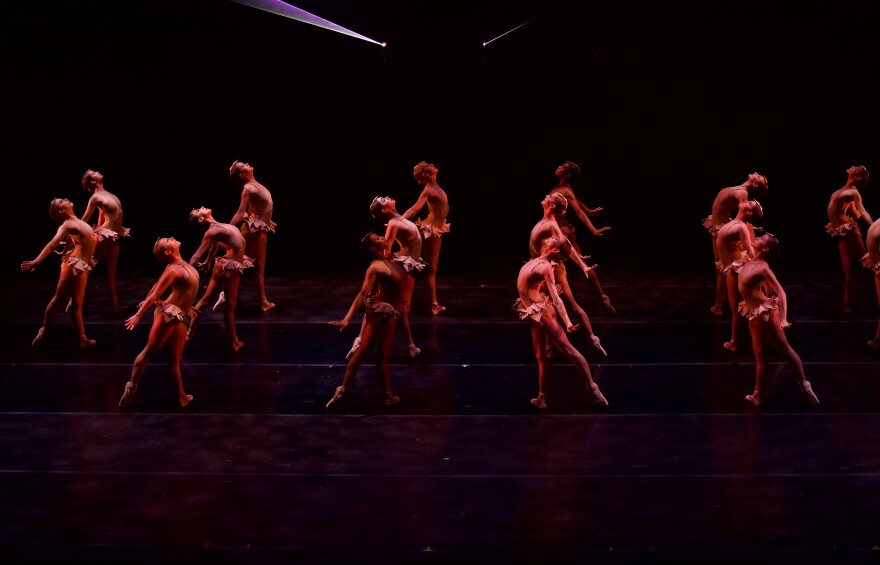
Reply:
x=485, y=43
x=286, y=10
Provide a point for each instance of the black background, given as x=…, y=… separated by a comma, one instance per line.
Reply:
x=662, y=105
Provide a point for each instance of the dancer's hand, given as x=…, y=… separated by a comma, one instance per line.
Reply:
x=341, y=323
x=132, y=322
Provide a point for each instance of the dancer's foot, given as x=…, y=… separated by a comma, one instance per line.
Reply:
x=436, y=308
x=874, y=343
x=354, y=347
x=390, y=399
x=413, y=350
x=221, y=302
x=607, y=302
x=717, y=309
x=266, y=305
x=594, y=339
x=85, y=343
x=730, y=345
x=807, y=389
x=127, y=395
x=237, y=345
x=754, y=398
x=40, y=333
x=337, y=396
x=184, y=400
x=117, y=308
x=540, y=402
x=598, y=397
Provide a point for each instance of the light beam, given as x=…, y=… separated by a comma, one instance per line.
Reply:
x=485, y=43
x=280, y=8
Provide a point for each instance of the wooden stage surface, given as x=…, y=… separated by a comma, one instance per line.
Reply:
x=256, y=470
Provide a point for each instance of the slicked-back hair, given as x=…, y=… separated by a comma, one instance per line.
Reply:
x=366, y=243
x=862, y=172
x=55, y=209
x=376, y=209
x=419, y=173
x=87, y=178
x=159, y=252
x=572, y=168
x=560, y=202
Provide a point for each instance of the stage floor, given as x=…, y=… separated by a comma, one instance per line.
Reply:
x=256, y=470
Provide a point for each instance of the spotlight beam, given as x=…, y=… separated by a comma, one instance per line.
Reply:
x=485, y=43
x=280, y=8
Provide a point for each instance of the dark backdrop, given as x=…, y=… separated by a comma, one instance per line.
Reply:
x=661, y=105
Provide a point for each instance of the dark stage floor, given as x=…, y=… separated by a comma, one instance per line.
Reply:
x=256, y=470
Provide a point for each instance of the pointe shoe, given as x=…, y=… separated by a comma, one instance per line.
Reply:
x=607, y=302
x=754, y=398
x=354, y=347
x=717, y=309
x=185, y=400
x=221, y=301
x=436, y=308
x=598, y=397
x=594, y=339
x=413, y=350
x=237, y=346
x=390, y=399
x=730, y=345
x=40, y=333
x=807, y=389
x=337, y=396
x=266, y=305
x=127, y=395
x=540, y=402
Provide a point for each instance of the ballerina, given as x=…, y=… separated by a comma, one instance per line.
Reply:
x=225, y=271
x=77, y=261
x=765, y=306
x=539, y=302
x=382, y=294
x=433, y=227
x=170, y=318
